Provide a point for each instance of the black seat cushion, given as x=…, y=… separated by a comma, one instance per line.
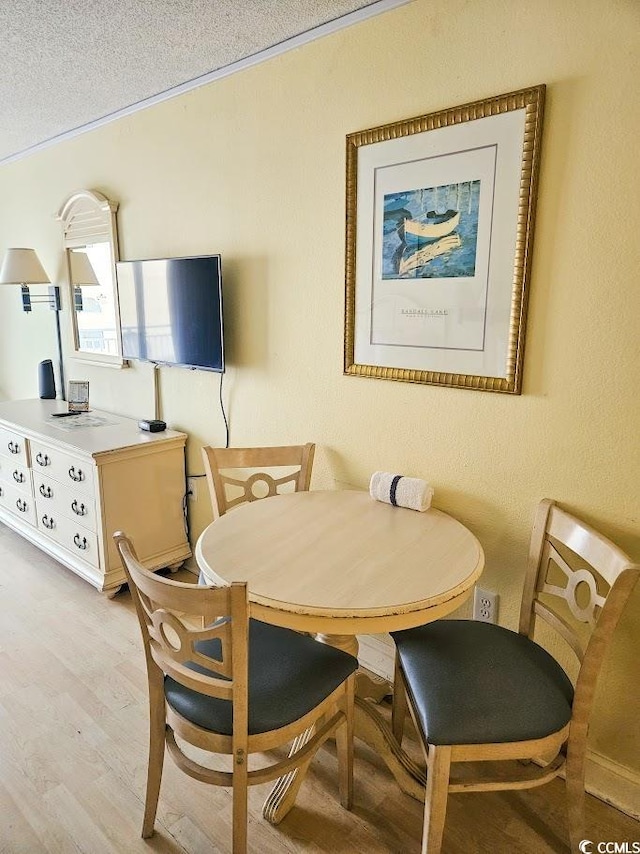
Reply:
x=289, y=675
x=478, y=683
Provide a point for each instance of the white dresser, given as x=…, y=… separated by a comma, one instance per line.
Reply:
x=66, y=484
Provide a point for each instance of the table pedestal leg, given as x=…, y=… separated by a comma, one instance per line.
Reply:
x=372, y=728
x=283, y=795
x=372, y=686
x=369, y=726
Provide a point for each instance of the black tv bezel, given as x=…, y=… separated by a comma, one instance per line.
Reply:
x=162, y=363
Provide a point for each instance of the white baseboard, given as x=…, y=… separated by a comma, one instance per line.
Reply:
x=613, y=783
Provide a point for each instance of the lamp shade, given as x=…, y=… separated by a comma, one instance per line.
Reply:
x=22, y=267
x=82, y=272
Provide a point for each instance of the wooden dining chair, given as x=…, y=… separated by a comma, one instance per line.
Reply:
x=228, y=491
x=233, y=685
x=479, y=692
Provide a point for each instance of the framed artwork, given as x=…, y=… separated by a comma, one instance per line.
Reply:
x=440, y=215
x=78, y=396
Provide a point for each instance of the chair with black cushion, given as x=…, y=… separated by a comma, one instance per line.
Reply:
x=480, y=692
x=233, y=685
x=289, y=468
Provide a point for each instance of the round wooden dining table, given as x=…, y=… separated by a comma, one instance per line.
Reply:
x=337, y=564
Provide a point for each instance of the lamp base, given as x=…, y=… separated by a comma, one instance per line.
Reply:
x=46, y=380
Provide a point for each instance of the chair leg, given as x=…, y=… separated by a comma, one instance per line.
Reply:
x=435, y=804
x=344, y=747
x=240, y=806
x=399, y=705
x=574, y=773
x=157, y=727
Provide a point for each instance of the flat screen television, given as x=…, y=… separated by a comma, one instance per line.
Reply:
x=171, y=311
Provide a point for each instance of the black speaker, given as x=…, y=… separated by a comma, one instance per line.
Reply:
x=46, y=380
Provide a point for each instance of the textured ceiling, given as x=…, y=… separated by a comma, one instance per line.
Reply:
x=65, y=64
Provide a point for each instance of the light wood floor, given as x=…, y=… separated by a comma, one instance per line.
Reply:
x=73, y=740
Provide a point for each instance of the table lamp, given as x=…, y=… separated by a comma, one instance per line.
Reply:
x=82, y=275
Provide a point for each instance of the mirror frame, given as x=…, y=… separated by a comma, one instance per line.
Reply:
x=88, y=217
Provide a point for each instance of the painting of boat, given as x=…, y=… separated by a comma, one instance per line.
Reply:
x=431, y=232
x=433, y=226
x=412, y=263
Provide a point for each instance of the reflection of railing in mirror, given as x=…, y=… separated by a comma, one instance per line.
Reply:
x=159, y=344
x=99, y=341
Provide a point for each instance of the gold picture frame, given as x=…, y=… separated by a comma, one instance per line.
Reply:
x=440, y=213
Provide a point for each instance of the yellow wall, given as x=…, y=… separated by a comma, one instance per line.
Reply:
x=253, y=167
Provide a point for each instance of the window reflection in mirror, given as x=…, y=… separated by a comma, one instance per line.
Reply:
x=95, y=304
x=90, y=238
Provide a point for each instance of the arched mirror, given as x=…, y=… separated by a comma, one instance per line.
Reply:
x=90, y=239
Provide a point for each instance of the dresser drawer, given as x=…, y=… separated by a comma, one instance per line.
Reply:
x=58, y=499
x=15, y=474
x=18, y=502
x=82, y=542
x=62, y=467
x=14, y=446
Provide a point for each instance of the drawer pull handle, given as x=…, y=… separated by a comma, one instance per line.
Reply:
x=1, y=492
x=22, y=505
x=78, y=510
x=14, y=447
x=81, y=543
x=42, y=459
x=48, y=522
x=46, y=491
x=19, y=477
x=76, y=475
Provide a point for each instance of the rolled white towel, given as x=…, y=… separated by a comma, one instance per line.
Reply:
x=411, y=492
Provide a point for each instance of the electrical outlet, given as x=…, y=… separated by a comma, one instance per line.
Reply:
x=192, y=488
x=485, y=605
